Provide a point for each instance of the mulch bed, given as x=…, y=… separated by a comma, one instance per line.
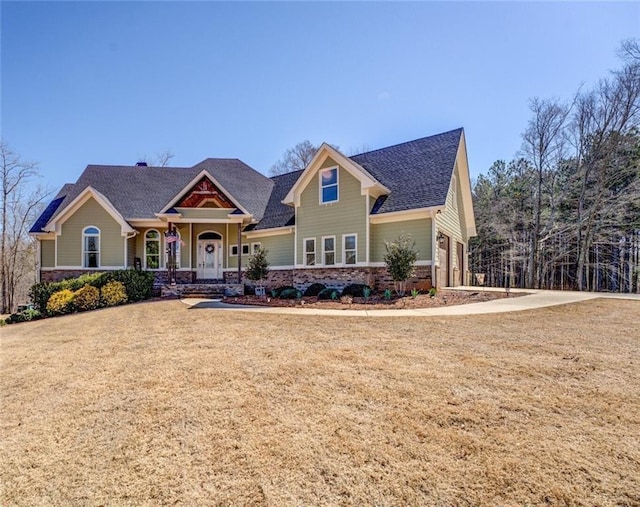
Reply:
x=378, y=302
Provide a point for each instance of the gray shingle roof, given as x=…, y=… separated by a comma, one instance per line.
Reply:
x=278, y=214
x=51, y=208
x=418, y=173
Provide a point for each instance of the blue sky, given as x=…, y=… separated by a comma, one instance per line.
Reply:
x=111, y=82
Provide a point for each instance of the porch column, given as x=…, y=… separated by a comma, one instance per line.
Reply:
x=239, y=253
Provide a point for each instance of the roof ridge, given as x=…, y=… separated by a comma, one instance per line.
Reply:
x=409, y=142
x=285, y=174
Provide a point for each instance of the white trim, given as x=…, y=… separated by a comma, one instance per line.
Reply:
x=379, y=264
x=321, y=186
x=38, y=260
x=367, y=181
x=304, y=252
x=55, y=225
x=252, y=251
x=144, y=223
x=195, y=180
x=400, y=216
x=271, y=268
x=234, y=220
x=191, y=243
x=275, y=231
x=295, y=235
x=225, y=264
x=462, y=163
x=344, y=249
x=453, y=188
x=367, y=231
x=235, y=245
x=324, y=251
x=80, y=268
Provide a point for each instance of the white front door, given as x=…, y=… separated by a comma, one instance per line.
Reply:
x=209, y=259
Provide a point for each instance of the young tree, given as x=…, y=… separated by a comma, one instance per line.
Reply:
x=400, y=260
x=295, y=159
x=19, y=206
x=258, y=267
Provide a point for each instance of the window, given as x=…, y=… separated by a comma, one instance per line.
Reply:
x=349, y=248
x=329, y=250
x=245, y=249
x=169, y=241
x=329, y=185
x=310, y=252
x=152, y=249
x=91, y=247
x=255, y=247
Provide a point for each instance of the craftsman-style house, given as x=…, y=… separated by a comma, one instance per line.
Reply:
x=327, y=223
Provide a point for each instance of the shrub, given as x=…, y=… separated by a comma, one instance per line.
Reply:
x=138, y=284
x=40, y=294
x=25, y=316
x=276, y=292
x=414, y=293
x=258, y=267
x=432, y=292
x=87, y=298
x=290, y=293
x=387, y=294
x=329, y=293
x=114, y=293
x=366, y=293
x=314, y=289
x=355, y=290
x=61, y=302
x=400, y=260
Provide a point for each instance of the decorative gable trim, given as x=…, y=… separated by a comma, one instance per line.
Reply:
x=55, y=225
x=464, y=180
x=367, y=182
x=189, y=187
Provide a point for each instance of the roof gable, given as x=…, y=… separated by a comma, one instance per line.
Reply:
x=367, y=181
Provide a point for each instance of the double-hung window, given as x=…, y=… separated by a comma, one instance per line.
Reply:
x=329, y=185
x=91, y=247
x=329, y=250
x=350, y=248
x=310, y=251
x=152, y=249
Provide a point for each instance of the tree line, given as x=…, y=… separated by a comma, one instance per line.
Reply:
x=565, y=213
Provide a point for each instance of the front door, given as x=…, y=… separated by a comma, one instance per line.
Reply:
x=209, y=259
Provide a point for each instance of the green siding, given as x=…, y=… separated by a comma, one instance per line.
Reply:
x=186, y=247
x=140, y=244
x=131, y=251
x=47, y=253
x=347, y=216
x=111, y=240
x=200, y=228
x=280, y=249
x=451, y=221
x=419, y=229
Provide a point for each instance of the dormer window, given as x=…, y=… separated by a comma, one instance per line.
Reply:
x=329, y=185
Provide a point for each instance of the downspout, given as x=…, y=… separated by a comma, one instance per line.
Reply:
x=240, y=253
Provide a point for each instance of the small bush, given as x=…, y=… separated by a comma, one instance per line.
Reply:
x=329, y=293
x=24, y=316
x=87, y=298
x=387, y=294
x=138, y=284
x=314, y=289
x=355, y=290
x=61, y=302
x=290, y=293
x=432, y=292
x=113, y=294
x=415, y=293
x=278, y=290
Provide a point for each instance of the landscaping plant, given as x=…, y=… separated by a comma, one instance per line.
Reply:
x=400, y=260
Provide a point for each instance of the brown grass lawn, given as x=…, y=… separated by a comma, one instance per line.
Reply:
x=158, y=404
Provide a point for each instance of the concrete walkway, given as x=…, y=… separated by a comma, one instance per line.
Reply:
x=534, y=299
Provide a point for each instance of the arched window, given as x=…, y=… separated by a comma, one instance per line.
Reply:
x=91, y=247
x=169, y=240
x=152, y=249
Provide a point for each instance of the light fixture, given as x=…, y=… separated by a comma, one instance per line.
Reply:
x=440, y=237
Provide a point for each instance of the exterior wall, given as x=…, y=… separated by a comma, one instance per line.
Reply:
x=187, y=247
x=280, y=248
x=419, y=229
x=47, y=253
x=131, y=252
x=378, y=278
x=140, y=244
x=199, y=229
x=347, y=216
x=451, y=222
x=69, y=243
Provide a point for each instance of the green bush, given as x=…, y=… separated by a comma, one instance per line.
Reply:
x=314, y=289
x=87, y=298
x=40, y=294
x=400, y=260
x=24, y=316
x=290, y=293
x=114, y=293
x=138, y=284
x=278, y=290
x=329, y=293
x=355, y=290
x=61, y=302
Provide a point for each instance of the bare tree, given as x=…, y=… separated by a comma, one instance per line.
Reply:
x=19, y=207
x=162, y=159
x=295, y=159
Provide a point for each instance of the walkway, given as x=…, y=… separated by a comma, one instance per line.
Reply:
x=534, y=299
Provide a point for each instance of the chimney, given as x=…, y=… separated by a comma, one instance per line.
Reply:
x=141, y=164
